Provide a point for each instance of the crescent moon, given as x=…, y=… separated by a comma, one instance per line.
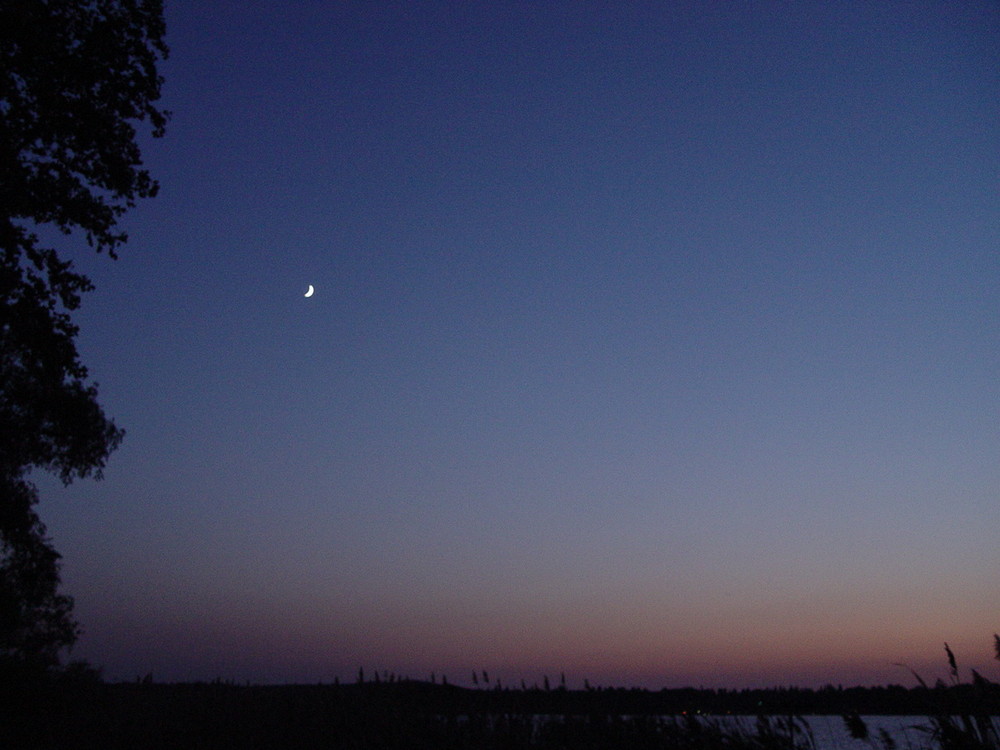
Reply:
x=310, y=292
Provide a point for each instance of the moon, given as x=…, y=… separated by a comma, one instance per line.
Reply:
x=310, y=292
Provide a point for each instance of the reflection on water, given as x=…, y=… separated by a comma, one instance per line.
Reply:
x=831, y=734
x=828, y=732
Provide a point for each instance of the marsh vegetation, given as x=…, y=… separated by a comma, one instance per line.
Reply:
x=74, y=708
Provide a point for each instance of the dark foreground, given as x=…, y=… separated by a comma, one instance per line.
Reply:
x=87, y=713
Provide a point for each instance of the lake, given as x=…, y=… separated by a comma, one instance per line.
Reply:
x=830, y=732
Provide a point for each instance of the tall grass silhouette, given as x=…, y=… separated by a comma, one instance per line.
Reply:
x=381, y=711
x=962, y=716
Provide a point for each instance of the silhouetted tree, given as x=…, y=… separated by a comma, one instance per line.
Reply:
x=35, y=620
x=75, y=77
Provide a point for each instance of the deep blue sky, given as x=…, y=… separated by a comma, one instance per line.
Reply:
x=656, y=343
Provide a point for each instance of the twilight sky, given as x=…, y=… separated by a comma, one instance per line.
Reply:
x=656, y=343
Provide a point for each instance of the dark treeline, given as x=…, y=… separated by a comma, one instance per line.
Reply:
x=829, y=700
x=777, y=701
x=92, y=713
x=443, y=698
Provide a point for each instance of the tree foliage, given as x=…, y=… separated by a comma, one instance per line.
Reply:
x=76, y=77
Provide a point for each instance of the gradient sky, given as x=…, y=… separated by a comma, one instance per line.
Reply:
x=656, y=343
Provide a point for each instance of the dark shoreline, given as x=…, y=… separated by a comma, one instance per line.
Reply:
x=889, y=700
x=413, y=714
